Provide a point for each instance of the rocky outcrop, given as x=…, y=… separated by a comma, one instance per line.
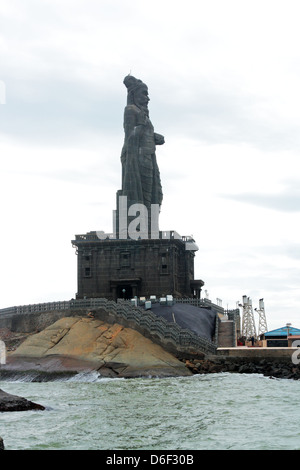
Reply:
x=276, y=368
x=80, y=343
x=14, y=403
x=1, y=444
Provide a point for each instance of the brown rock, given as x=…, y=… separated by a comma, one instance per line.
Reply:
x=90, y=343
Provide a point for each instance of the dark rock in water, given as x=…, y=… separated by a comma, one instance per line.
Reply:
x=14, y=403
x=269, y=367
x=1, y=444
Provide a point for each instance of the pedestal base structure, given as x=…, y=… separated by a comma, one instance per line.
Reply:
x=114, y=268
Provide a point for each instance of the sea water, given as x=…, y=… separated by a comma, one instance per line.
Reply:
x=212, y=412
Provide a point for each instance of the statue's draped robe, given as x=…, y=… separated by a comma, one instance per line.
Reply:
x=140, y=173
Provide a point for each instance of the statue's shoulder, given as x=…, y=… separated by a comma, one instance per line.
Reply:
x=132, y=109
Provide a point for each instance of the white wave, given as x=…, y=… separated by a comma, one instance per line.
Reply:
x=86, y=376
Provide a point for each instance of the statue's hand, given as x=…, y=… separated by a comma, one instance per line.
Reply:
x=159, y=139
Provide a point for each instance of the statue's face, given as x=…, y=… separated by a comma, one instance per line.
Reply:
x=141, y=97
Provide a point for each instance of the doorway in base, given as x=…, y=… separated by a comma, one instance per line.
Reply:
x=124, y=292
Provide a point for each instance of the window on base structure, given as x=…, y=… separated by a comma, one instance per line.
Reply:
x=164, y=266
x=125, y=260
x=87, y=272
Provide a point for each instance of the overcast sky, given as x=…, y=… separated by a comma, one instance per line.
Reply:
x=223, y=79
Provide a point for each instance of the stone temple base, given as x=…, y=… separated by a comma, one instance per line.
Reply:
x=125, y=268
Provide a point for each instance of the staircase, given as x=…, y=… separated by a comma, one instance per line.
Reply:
x=225, y=336
x=168, y=334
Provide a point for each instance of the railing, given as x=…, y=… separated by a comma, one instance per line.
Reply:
x=204, y=303
x=180, y=336
x=43, y=307
x=100, y=235
x=145, y=319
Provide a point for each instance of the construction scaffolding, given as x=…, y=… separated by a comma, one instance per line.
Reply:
x=248, y=323
x=262, y=320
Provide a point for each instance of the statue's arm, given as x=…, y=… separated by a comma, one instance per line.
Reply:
x=133, y=122
x=159, y=139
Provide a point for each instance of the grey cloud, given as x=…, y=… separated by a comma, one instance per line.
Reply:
x=290, y=250
x=293, y=250
x=48, y=109
x=59, y=111
x=93, y=176
x=286, y=201
x=208, y=112
x=45, y=43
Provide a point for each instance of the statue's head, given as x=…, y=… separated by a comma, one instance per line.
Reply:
x=137, y=91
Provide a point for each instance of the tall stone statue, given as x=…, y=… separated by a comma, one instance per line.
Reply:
x=140, y=173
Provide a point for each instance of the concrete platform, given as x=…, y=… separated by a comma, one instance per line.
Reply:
x=244, y=351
